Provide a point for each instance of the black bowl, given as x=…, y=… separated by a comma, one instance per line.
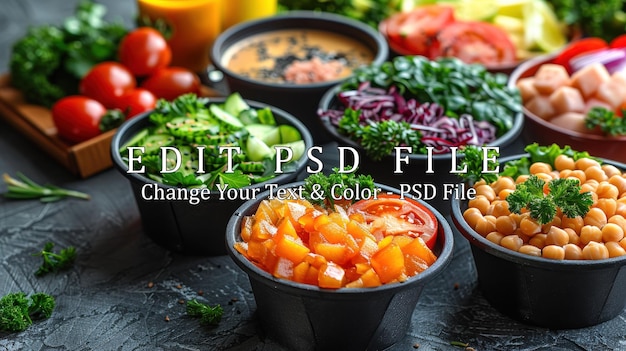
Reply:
x=557, y=294
x=299, y=99
x=180, y=226
x=434, y=183
x=306, y=317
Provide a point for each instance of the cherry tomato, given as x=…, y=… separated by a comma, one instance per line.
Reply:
x=77, y=118
x=106, y=82
x=413, y=31
x=474, y=42
x=136, y=101
x=619, y=42
x=579, y=47
x=399, y=216
x=144, y=51
x=170, y=82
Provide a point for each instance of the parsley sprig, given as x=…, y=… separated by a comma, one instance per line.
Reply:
x=563, y=193
x=608, y=121
x=474, y=161
x=17, y=311
x=53, y=262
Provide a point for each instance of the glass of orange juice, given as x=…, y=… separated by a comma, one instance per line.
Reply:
x=236, y=11
x=193, y=25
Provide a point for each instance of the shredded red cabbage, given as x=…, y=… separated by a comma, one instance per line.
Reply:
x=438, y=130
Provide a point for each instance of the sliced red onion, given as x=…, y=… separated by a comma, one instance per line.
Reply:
x=613, y=59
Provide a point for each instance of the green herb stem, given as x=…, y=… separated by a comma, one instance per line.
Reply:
x=25, y=188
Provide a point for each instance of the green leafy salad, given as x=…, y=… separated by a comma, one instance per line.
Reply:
x=185, y=143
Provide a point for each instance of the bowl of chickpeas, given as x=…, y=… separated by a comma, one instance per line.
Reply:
x=554, y=271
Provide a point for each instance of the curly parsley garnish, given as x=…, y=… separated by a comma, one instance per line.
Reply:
x=564, y=194
x=321, y=189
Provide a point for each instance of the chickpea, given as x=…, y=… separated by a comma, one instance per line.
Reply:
x=578, y=174
x=612, y=232
x=615, y=249
x=606, y=190
x=503, y=183
x=595, y=251
x=573, y=236
x=573, y=252
x=554, y=252
x=622, y=243
x=621, y=208
x=619, y=220
x=521, y=178
x=471, y=216
x=487, y=191
x=596, y=173
x=484, y=226
x=608, y=206
x=481, y=203
x=498, y=208
x=540, y=167
x=611, y=170
x=563, y=162
x=557, y=236
x=556, y=222
x=585, y=162
x=546, y=177
x=565, y=173
x=538, y=240
x=595, y=217
x=575, y=223
x=529, y=226
x=506, y=225
x=512, y=242
x=504, y=193
x=530, y=250
x=480, y=182
x=619, y=182
x=494, y=237
x=590, y=233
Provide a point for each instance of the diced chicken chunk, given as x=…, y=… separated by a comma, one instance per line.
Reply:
x=550, y=77
x=526, y=88
x=589, y=79
x=540, y=106
x=567, y=99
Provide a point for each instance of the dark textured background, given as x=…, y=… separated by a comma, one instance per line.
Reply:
x=104, y=302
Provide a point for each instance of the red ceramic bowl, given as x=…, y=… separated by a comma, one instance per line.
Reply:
x=543, y=132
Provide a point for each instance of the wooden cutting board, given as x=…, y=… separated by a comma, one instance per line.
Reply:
x=35, y=122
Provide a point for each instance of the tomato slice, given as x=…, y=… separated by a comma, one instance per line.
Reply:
x=414, y=30
x=475, y=42
x=579, y=47
x=399, y=217
x=619, y=42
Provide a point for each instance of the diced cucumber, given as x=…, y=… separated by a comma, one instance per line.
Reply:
x=297, y=147
x=249, y=116
x=259, y=130
x=266, y=116
x=257, y=150
x=153, y=143
x=225, y=117
x=235, y=104
x=289, y=133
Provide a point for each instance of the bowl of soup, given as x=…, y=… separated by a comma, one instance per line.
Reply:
x=291, y=59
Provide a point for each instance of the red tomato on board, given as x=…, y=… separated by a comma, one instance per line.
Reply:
x=77, y=118
x=578, y=47
x=136, y=101
x=106, y=82
x=415, y=30
x=474, y=42
x=400, y=216
x=171, y=82
x=144, y=51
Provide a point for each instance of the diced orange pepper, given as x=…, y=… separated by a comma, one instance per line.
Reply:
x=362, y=267
x=283, y=268
x=366, y=251
x=331, y=276
x=312, y=276
x=291, y=249
x=285, y=228
x=333, y=252
x=320, y=220
x=338, y=218
x=402, y=240
x=333, y=232
x=388, y=262
x=315, y=260
x=262, y=229
x=242, y=248
x=265, y=211
x=358, y=230
x=246, y=228
x=418, y=248
x=370, y=279
x=357, y=283
x=414, y=265
x=300, y=271
x=385, y=241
